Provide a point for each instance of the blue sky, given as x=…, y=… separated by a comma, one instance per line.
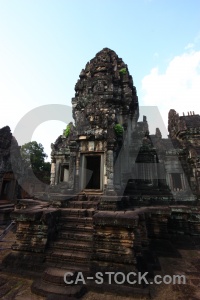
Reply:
x=45, y=44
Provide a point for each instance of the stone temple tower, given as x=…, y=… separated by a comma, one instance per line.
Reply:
x=105, y=110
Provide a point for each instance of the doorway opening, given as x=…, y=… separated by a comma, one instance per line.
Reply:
x=176, y=181
x=93, y=168
x=64, y=173
x=5, y=190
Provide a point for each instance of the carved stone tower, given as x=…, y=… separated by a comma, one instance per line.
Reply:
x=105, y=108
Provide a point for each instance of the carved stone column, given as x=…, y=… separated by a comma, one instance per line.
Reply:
x=53, y=169
x=72, y=165
x=110, y=170
x=77, y=186
x=183, y=182
x=57, y=171
x=72, y=162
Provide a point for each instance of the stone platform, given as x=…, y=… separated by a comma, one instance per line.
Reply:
x=81, y=238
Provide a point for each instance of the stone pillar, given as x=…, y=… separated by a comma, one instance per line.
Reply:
x=183, y=182
x=110, y=171
x=77, y=187
x=117, y=171
x=57, y=173
x=72, y=162
x=72, y=165
x=53, y=169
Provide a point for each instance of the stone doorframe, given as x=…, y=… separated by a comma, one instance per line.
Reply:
x=83, y=171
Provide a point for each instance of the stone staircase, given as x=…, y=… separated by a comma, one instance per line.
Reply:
x=70, y=252
x=84, y=246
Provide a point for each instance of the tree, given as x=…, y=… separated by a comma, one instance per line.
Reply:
x=34, y=156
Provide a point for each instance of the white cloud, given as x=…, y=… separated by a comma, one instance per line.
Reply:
x=177, y=88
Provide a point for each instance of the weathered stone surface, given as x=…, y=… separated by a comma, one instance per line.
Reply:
x=8, y=147
x=101, y=87
x=35, y=227
x=105, y=97
x=119, y=195
x=5, y=144
x=185, y=134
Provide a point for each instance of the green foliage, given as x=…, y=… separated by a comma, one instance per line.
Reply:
x=67, y=131
x=34, y=156
x=123, y=71
x=118, y=129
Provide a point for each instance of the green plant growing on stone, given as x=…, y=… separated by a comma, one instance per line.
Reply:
x=118, y=129
x=67, y=131
x=123, y=71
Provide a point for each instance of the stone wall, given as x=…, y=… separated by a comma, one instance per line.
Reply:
x=120, y=239
x=36, y=227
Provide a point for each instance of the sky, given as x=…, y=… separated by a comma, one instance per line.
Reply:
x=45, y=44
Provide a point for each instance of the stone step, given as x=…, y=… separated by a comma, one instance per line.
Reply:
x=73, y=256
x=89, y=196
x=69, y=265
x=121, y=251
x=77, y=227
x=77, y=235
x=106, y=266
x=72, y=245
x=76, y=221
x=77, y=212
x=114, y=257
x=56, y=275
x=83, y=204
x=115, y=247
x=90, y=212
x=45, y=289
x=61, y=197
x=122, y=290
x=6, y=206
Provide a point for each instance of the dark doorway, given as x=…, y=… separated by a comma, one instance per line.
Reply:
x=5, y=189
x=93, y=178
x=64, y=173
x=176, y=179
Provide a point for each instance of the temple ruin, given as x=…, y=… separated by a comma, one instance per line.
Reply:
x=115, y=188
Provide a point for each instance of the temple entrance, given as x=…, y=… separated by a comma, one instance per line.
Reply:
x=92, y=172
x=5, y=190
x=176, y=181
